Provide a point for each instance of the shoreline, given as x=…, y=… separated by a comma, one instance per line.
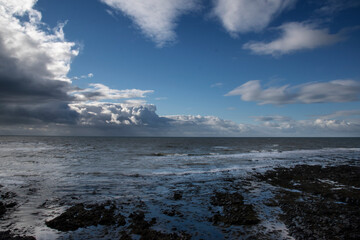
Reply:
x=299, y=202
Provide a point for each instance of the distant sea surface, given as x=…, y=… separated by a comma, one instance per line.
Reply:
x=58, y=171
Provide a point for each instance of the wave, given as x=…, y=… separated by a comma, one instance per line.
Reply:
x=272, y=153
x=161, y=154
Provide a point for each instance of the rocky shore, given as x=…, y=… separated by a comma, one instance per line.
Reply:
x=304, y=202
x=318, y=202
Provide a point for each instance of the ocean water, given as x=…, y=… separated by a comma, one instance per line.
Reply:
x=48, y=174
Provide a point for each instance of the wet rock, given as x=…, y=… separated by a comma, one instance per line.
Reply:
x=7, y=235
x=8, y=195
x=141, y=227
x=4, y=206
x=138, y=222
x=2, y=209
x=159, y=154
x=235, y=212
x=335, y=182
x=271, y=203
x=125, y=236
x=172, y=212
x=80, y=216
x=318, y=202
x=11, y=205
x=177, y=195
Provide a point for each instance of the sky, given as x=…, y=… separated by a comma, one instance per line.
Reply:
x=193, y=68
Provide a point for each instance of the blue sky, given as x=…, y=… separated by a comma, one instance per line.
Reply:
x=254, y=68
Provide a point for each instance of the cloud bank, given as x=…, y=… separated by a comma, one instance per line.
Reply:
x=318, y=92
x=285, y=126
x=295, y=36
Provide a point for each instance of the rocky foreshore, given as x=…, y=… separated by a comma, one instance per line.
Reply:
x=310, y=201
x=318, y=202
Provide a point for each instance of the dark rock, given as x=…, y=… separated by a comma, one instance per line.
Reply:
x=317, y=209
x=172, y=212
x=177, y=195
x=11, y=205
x=4, y=206
x=81, y=215
x=308, y=179
x=140, y=226
x=125, y=236
x=8, y=195
x=138, y=223
x=235, y=212
x=7, y=235
x=2, y=209
x=271, y=203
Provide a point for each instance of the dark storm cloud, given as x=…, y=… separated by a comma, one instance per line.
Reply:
x=33, y=68
x=50, y=112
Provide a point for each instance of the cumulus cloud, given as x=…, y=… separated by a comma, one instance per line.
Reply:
x=143, y=119
x=157, y=19
x=317, y=92
x=241, y=16
x=102, y=113
x=98, y=91
x=206, y=125
x=296, y=36
x=34, y=63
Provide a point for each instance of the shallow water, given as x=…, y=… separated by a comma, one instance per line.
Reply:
x=50, y=173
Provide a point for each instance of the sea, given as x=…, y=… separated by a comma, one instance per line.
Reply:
x=46, y=175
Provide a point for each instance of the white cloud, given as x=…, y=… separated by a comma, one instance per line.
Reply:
x=34, y=63
x=19, y=7
x=331, y=7
x=286, y=126
x=100, y=113
x=140, y=118
x=318, y=92
x=205, y=125
x=99, y=91
x=157, y=19
x=219, y=84
x=36, y=53
x=90, y=75
x=296, y=36
x=340, y=114
x=241, y=16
